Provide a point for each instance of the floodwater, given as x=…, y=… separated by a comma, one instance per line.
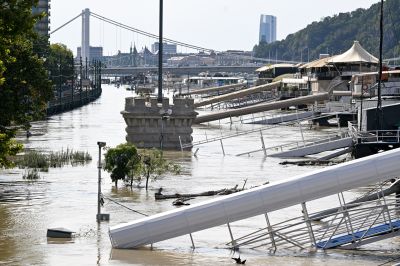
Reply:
x=66, y=197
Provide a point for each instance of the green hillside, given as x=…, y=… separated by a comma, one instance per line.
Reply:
x=336, y=34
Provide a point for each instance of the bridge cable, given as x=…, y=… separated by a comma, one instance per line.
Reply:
x=65, y=24
x=148, y=34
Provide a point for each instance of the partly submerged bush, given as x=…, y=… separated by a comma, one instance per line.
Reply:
x=43, y=161
x=61, y=158
x=33, y=159
x=31, y=174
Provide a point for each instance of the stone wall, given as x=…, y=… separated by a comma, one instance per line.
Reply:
x=150, y=124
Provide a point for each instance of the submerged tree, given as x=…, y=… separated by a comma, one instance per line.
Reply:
x=154, y=165
x=124, y=162
x=121, y=161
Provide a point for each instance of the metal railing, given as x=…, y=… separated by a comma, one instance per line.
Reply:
x=352, y=225
x=374, y=136
x=299, y=144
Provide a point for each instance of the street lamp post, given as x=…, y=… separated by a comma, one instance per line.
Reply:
x=165, y=115
x=59, y=82
x=160, y=53
x=100, y=217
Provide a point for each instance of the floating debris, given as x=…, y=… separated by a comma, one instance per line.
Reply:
x=59, y=233
x=239, y=260
x=312, y=162
x=181, y=201
x=224, y=191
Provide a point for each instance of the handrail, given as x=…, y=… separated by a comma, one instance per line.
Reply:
x=375, y=136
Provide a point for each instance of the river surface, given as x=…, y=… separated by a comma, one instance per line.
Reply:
x=66, y=197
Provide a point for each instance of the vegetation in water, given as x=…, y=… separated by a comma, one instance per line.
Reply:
x=125, y=162
x=121, y=161
x=31, y=174
x=44, y=161
x=9, y=147
x=153, y=165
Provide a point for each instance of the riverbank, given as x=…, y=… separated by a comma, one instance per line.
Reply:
x=70, y=102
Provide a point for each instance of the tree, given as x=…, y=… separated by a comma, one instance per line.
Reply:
x=60, y=55
x=153, y=165
x=24, y=85
x=16, y=21
x=26, y=89
x=8, y=148
x=124, y=162
x=121, y=161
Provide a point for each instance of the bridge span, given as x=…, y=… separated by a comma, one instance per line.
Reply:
x=183, y=70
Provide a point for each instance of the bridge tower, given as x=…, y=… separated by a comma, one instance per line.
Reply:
x=85, y=46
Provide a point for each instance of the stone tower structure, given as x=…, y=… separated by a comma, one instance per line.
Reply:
x=154, y=125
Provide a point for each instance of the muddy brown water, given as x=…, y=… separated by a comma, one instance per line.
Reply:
x=66, y=197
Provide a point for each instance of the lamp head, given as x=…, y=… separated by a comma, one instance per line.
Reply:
x=101, y=144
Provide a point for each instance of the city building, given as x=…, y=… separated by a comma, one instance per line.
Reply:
x=190, y=60
x=167, y=48
x=132, y=58
x=267, y=29
x=233, y=57
x=95, y=53
x=42, y=26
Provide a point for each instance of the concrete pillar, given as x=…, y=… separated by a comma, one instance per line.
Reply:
x=85, y=46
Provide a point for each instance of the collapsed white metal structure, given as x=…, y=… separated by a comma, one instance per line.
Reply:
x=257, y=201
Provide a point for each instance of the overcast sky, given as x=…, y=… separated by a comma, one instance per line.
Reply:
x=215, y=24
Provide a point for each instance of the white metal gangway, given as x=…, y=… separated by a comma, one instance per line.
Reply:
x=265, y=199
x=281, y=148
x=348, y=226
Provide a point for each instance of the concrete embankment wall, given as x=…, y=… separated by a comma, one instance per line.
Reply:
x=69, y=103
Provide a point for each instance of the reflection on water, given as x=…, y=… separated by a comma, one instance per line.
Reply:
x=67, y=197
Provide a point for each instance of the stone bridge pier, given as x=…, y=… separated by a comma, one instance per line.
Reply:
x=154, y=125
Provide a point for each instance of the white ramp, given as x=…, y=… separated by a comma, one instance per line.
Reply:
x=316, y=148
x=284, y=118
x=257, y=201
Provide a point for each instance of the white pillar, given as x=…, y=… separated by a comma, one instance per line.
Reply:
x=85, y=46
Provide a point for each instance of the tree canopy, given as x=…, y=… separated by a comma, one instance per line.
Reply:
x=60, y=60
x=121, y=161
x=24, y=85
x=334, y=35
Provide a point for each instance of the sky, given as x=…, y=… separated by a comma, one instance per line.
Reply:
x=216, y=24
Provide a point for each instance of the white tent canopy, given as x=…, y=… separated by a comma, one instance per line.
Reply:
x=268, y=67
x=356, y=54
